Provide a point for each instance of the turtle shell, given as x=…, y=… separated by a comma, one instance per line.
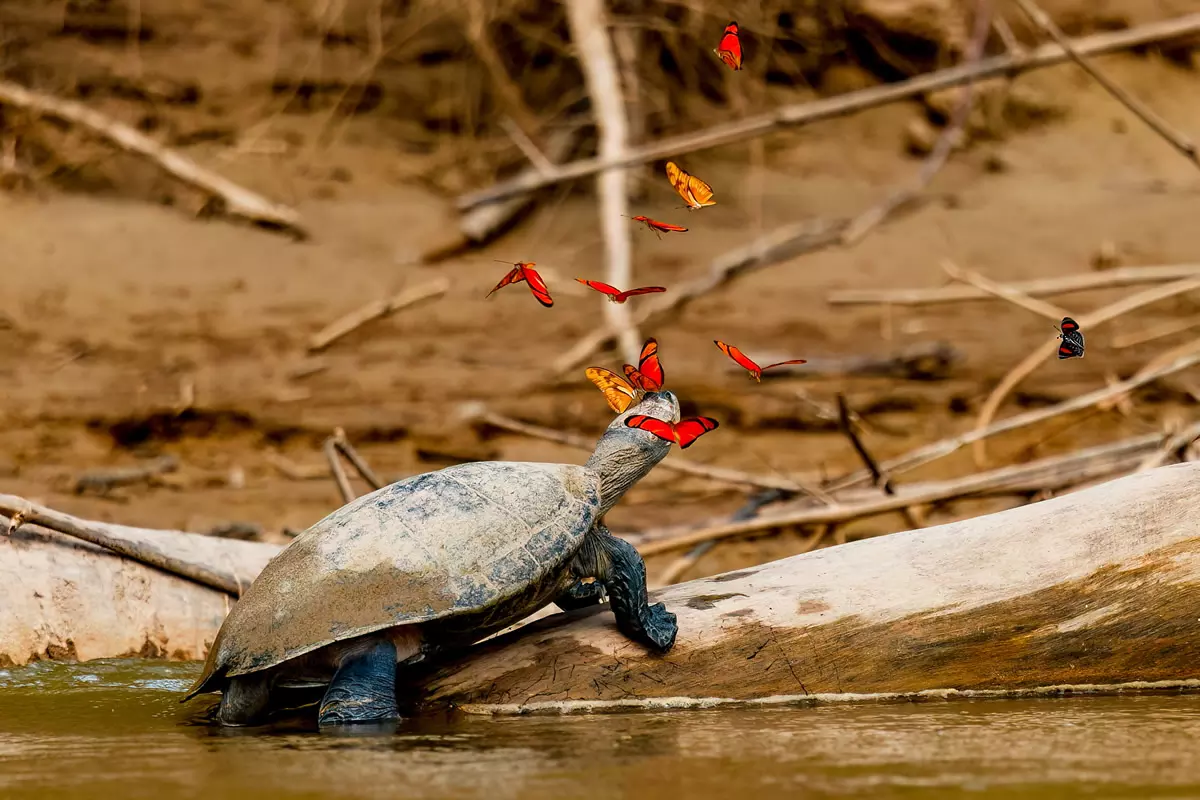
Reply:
x=435, y=545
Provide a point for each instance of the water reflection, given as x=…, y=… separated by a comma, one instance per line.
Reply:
x=116, y=728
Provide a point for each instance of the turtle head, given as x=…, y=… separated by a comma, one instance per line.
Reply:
x=624, y=455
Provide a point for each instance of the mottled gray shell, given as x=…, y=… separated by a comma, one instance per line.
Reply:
x=434, y=545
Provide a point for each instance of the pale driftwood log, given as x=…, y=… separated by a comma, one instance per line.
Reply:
x=66, y=598
x=1098, y=589
x=828, y=108
x=237, y=200
x=1039, y=287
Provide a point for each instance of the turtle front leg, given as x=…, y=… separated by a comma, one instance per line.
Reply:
x=580, y=595
x=245, y=700
x=619, y=565
x=363, y=688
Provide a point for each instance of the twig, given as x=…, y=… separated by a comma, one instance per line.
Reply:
x=236, y=200
x=588, y=23
x=1056, y=473
x=931, y=452
x=296, y=472
x=364, y=470
x=103, y=535
x=728, y=477
x=778, y=245
x=339, y=473
x=103, y=481
x=377, y=309
x=878, y=476
x=1140, y=110
x=1014, y=296
x=870, y=219
x=1172, y=446
x=1088, y=322
x=509, y=92
x=1169, y=328
x=1084, y=281
x=530, y=150
x=808, y=113
x=682, y=564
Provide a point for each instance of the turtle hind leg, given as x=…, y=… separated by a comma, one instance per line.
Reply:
x=244, y=701
x=580, y=595
x=620, y=566
x=363, y=688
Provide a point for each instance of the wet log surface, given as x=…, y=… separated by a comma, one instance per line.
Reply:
x=1098, y=587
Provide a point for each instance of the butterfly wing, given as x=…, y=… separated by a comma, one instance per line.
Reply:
x=611, y=291
x=689, y=430
x=617, y=391
x=663, y=430
x=1067, y=325
x=730, y=48
x=649, y=367
x=665, y=227
x=701, y=193
x=536, y=285
x=623, y=296
x=639, y=380
x=782, y=363
x=680, y=180
x=739, y=357
x=514, y=276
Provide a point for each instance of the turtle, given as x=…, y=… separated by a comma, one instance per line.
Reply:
x=434, y=563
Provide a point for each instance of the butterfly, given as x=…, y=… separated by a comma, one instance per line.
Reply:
x=524, y=271
x=1072, y=339
x=744, y=361
x=682, y=433
x=618, y=296
x=619, y=392
x=695, y=192
x=730, y=48
x=659, y=227
x=648, y=374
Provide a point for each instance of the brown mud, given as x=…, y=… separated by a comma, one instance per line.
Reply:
x=130, y=329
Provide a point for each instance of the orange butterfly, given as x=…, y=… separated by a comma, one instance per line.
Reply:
x=743, y=361
x=524, y=271
x=659, y=227
x=619, y=392
x=730, y=48
x=683, y=433
x=695, y=192
x=648, y=374
x=615, y=294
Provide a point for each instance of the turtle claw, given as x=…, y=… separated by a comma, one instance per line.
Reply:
x=356, y=710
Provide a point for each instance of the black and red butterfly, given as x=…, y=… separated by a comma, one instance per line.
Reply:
x=730, y=48
x=616, y=295
x=524, y=271
x=648, y=375
x=1072, y=339
x=682, y=433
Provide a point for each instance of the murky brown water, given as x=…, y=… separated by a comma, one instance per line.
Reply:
x=115, y=729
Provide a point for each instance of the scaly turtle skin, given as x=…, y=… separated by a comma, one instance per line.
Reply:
x=437, y=560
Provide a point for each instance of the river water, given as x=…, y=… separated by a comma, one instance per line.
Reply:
x=115, y=729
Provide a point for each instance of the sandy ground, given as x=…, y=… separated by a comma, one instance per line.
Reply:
x=113, y=305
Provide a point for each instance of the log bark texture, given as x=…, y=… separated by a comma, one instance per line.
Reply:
x=65, y=598
x=1100, y=587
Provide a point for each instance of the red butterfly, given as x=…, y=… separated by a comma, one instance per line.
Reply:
x=648, y=374
x=618, y=296
x=682, y=433
x=743, y=361
x=730, y=48
x=524, y=271
x=657, y=227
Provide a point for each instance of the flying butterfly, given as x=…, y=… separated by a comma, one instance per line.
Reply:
x=730, y=48
x=659, y=227
x=616, y=295
x=524, y=271
x=648, y=374
x=695, y=192
x=619, y=392
x=744, y=361
x=683, y=433
x=1072, y=339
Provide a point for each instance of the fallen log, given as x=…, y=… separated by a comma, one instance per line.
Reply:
x=66, y=598
x=1099, y=589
